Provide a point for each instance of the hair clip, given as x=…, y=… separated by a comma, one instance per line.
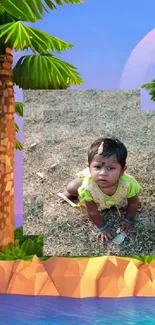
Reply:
x=100, y=148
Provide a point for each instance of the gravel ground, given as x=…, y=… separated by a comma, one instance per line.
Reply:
x=63, y=124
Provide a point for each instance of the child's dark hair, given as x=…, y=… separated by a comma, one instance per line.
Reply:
x=111, y=146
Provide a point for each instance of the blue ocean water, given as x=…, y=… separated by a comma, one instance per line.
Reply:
x=26, y=310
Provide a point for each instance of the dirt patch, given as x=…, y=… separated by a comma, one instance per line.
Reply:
x=71, y=121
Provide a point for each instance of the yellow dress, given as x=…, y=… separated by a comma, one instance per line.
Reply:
x=89, y=191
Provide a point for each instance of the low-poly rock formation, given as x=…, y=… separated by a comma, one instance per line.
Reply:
x=78, y=277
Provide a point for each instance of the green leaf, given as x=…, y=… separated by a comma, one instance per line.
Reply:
x=55, y=73
x=150, y=86
x=16, y=242
x=10, y=258
x=20, y=10
x=148, y=259
x=39, y=240
x=19, y=108
x=31, y=10
x=36, y=7
x=26, y=247
x=16, y=127
x=28, y=258
x=1, y=256
x=2, y=11
x=20, y=37
x=6, y=18
x=143, y=259
x=52, y=4
x=18, y=232
x=13, y=253
x=30, y=247
x=9, y=250
x=33, y=238
x=18, y=145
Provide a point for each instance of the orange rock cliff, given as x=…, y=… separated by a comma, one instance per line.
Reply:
x=78, y=277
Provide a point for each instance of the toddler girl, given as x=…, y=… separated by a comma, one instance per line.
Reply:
x=104, y=184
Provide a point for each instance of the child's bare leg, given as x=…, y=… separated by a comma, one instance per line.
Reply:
x=72, y=188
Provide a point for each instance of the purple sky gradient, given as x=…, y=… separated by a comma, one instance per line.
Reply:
x=114, y=49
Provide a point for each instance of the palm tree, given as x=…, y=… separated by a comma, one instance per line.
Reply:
x=151, y=87
x=55, y=74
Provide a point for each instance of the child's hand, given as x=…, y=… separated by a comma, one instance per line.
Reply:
x=106, y=235
x=126, y=227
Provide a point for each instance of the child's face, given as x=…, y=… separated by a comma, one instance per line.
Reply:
x=105, y=171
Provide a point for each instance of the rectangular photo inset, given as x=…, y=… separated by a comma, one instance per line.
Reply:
x=82, y=201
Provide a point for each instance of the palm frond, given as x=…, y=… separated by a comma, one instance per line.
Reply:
x=31, y=10
x=16, y=127
x=19, y=108
x=62, y=2
x=53, y=4
x=20, y=37
x=45, y=72
x=18, y=145
x=150, y=86
x=5, y=17
x=25, y=10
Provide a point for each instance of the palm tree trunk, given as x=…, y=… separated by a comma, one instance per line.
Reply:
x=7, y=146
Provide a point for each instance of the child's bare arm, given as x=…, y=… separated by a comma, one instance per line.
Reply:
x=94, y=214
x=105, y=234
x=131, y=212
x=132, y=207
